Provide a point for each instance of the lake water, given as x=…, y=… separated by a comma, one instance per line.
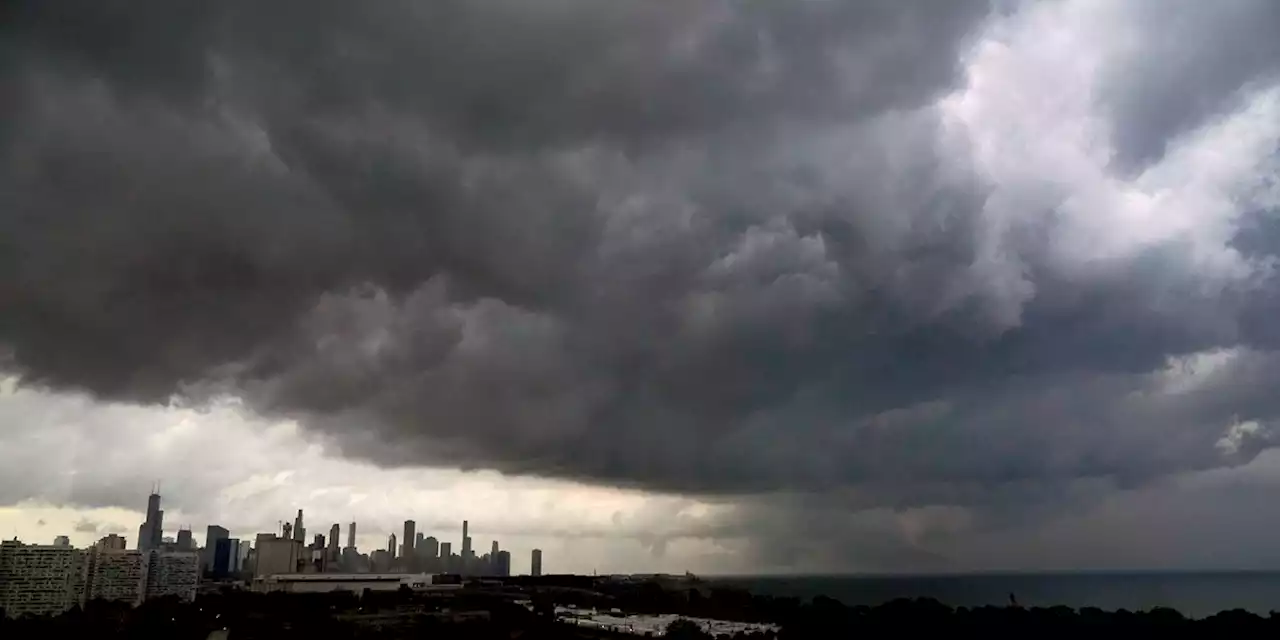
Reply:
x=1194, y=594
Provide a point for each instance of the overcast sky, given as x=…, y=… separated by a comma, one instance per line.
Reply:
x=725, y=286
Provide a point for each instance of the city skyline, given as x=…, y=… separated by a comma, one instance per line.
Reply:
x=213, y=532
x=222, y=554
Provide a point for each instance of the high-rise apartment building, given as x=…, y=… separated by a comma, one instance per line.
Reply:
x=391, y=546
x=351, y=536
x=535, y=563
x=116, y=575
x=174, y=573
x=39, y=579
x=334, y=532
x=111, y=542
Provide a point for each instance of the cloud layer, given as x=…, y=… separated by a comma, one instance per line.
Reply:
x=886, y=255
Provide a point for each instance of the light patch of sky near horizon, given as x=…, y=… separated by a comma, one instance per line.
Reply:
x=66, y=458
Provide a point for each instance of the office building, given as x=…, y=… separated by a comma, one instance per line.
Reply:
x=333, y=552
x=391, y=546
x=213, y=535
x=242, y=562
x=39, y=579
x=351, y=536
x=535, y=563
x=151, y=532
x=502, y=564
x=185, y=543
x=226, y=554
x=407, y=551
x=115, y=575
x=429, y=549
x=446, y=557
x=299, y=531
x=174, y=573
x=379, y=561
x=110, y=542
x=277, y=555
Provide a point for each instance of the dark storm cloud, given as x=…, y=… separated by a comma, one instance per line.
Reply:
x=710, y=246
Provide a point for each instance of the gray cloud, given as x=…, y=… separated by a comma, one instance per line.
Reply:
x=1191, y=64
x=714, y=248
x=87, y=526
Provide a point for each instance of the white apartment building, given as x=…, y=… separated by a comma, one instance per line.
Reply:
x=48, y=579
x=39, y=579
x=173, y=574
x=116, y=575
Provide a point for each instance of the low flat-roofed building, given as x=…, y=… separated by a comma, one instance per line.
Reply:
x=355, y=582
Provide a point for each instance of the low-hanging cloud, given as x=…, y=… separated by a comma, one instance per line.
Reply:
x=913, y=254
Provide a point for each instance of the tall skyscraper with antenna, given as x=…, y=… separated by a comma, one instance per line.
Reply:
x=152, y=529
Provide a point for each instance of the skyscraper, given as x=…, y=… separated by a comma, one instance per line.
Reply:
x=535, y=563
x=225, y=553
x=152, y=528
x=391, y=546
x=430, y=548
x=502, y=564
x=212, y=536
x=351, y=536
x=299, y=531
x=184, y=540
x=409, y=526
x=334, y=532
